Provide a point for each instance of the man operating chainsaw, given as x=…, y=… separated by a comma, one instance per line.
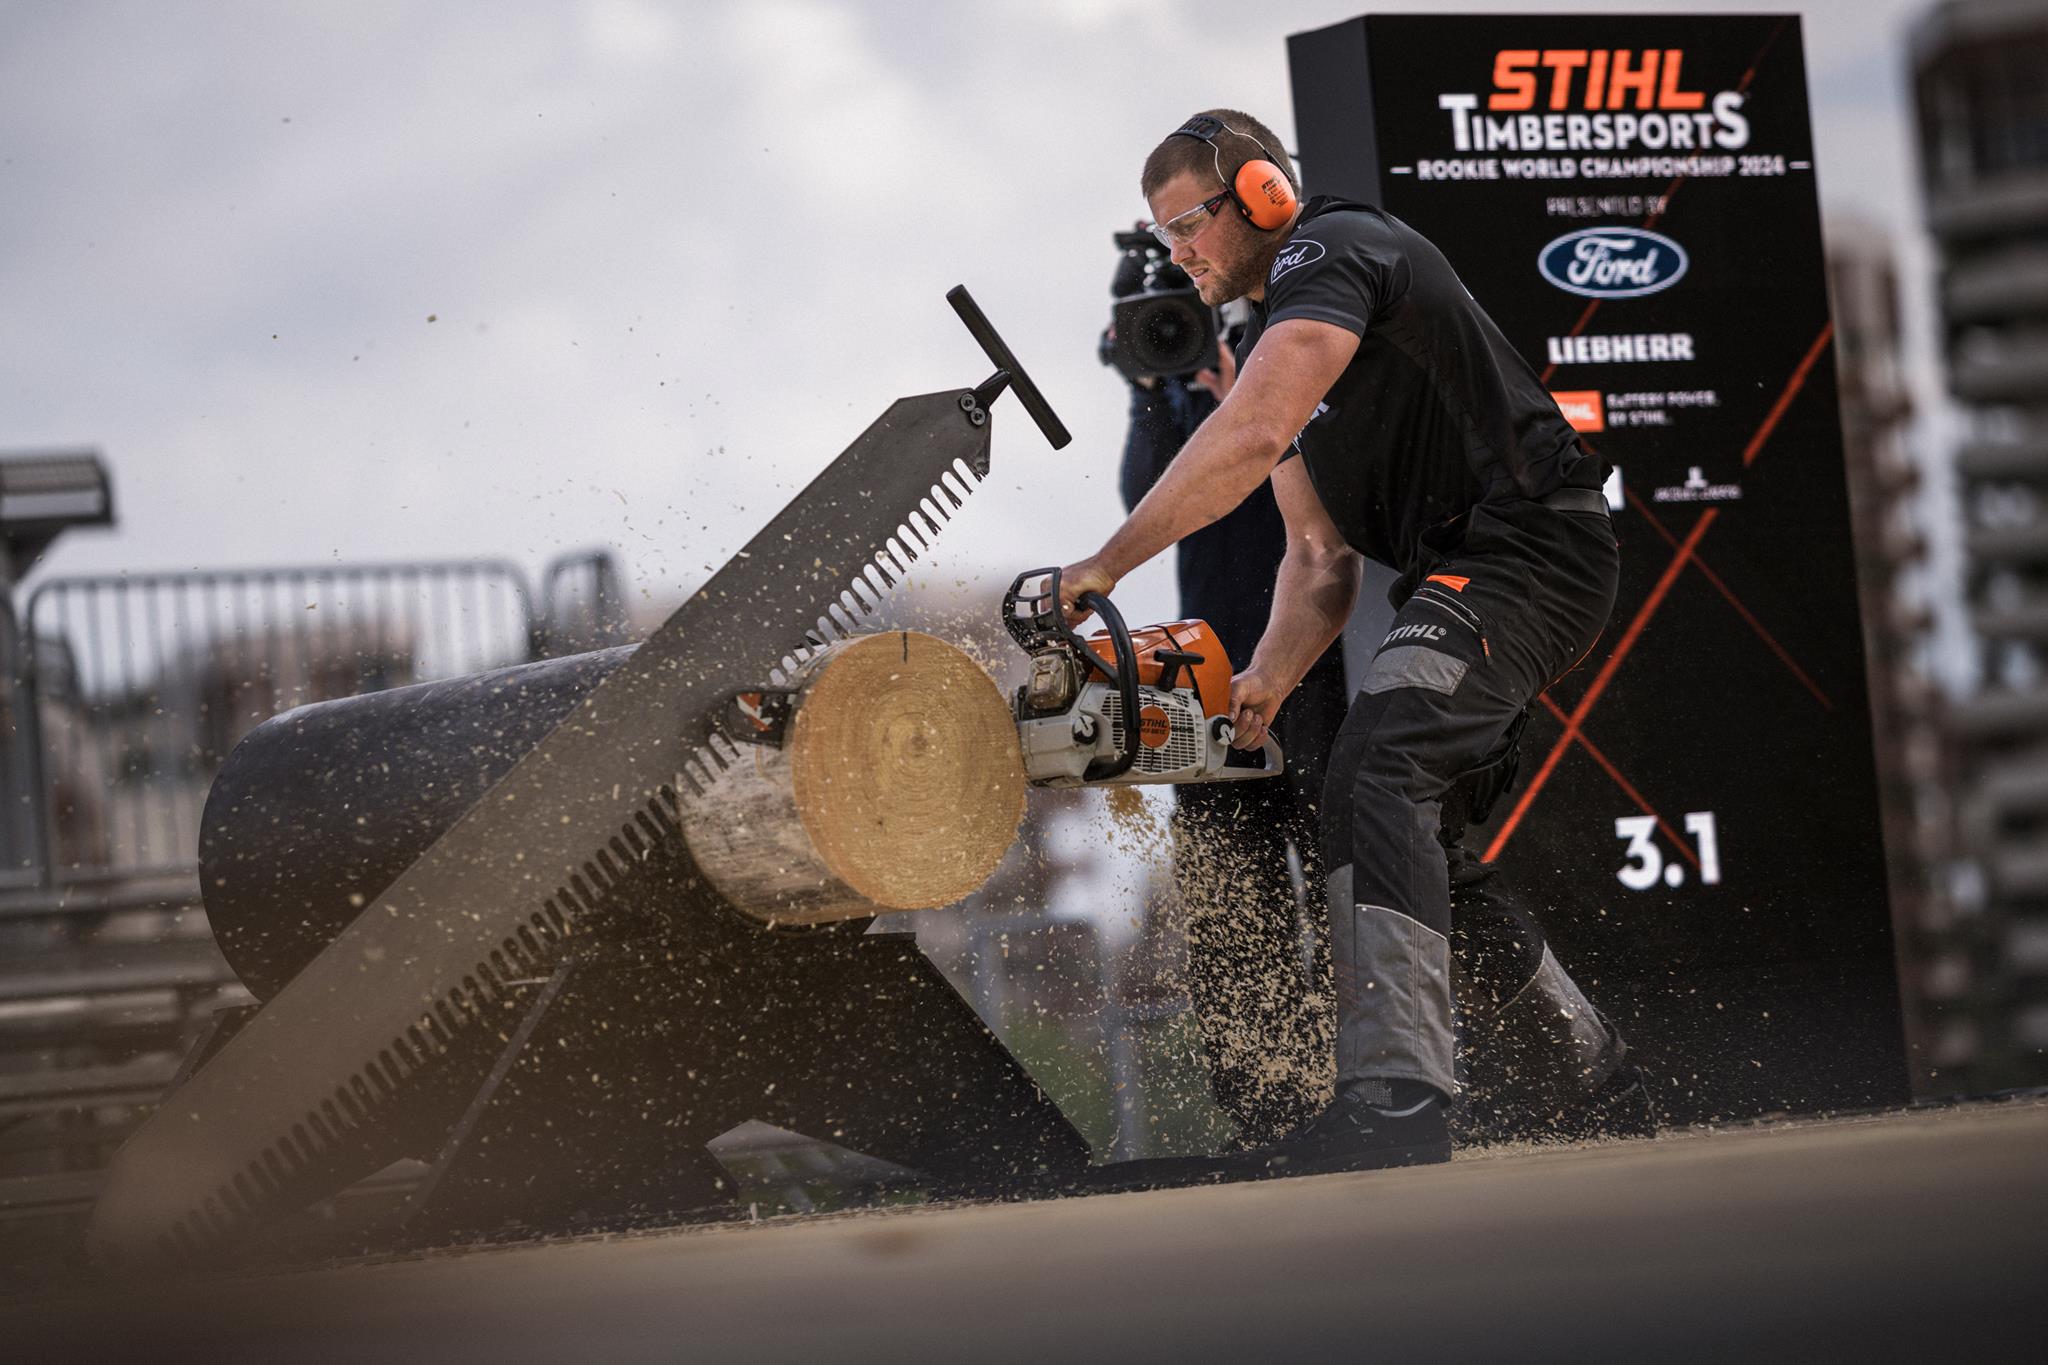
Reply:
x=1394, y=421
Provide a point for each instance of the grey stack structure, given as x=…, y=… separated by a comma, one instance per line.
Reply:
x=1915, y=759
x=1980, y=74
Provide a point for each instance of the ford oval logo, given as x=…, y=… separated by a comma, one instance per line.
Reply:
x=1613, y=263
x=1295, y=254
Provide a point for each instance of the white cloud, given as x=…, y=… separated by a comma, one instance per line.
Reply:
x=678, y=254
x=631, y=32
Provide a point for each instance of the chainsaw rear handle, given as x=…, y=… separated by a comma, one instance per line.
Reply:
x=1275, y=763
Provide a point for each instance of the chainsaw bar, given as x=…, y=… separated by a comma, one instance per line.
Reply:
x=491, y=904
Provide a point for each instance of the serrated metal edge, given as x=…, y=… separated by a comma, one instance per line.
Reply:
x=531, y=950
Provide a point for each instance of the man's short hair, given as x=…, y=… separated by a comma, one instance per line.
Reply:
x=1244, y=139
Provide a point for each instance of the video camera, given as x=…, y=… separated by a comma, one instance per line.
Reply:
x=1159, y=327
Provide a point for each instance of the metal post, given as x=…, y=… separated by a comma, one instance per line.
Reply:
x=1127, y=1080
x=26, y=823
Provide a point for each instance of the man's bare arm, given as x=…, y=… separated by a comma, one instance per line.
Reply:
x=1291, y=368
x=1312, y=599
x=1317, y=586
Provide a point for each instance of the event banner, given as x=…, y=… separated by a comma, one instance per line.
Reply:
x=1632, y=199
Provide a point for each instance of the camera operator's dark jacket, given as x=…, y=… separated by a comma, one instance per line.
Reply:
x=1226, y=569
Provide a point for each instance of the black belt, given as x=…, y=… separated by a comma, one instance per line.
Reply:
x=1576, y=500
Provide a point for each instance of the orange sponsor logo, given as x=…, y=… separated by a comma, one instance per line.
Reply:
x=1591, y=78
x=1450, y=580
x=1583, y=409
x=1154, y=729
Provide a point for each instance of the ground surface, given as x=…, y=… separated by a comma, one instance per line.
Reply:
x=1909, y=1236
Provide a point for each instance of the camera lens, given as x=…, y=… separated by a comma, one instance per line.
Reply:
x=1168, y=335
x=1159, y=327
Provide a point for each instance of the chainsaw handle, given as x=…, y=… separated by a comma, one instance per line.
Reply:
x=1124, y=677
x=1035, y=621
x=1275, y=764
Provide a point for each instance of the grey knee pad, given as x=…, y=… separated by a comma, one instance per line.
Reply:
x=1393, y=979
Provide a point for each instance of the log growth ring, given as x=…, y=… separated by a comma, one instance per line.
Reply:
x=906, y=770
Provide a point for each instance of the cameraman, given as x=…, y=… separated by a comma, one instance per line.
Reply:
x=1256, y=972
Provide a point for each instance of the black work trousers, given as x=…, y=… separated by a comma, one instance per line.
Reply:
x=1257, y=974
x=1511, y=597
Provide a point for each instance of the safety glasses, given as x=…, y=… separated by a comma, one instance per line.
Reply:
x=1183, y=228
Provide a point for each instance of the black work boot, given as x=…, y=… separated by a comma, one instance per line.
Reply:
x=1370, y=1125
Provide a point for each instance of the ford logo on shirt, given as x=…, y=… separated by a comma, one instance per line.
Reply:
x=1613, y=263
x=1295, y=254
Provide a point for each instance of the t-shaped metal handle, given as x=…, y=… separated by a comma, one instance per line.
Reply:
x=1008, y=370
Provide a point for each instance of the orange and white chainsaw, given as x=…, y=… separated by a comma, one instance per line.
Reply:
x=1175, y=678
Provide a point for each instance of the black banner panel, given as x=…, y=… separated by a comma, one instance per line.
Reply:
x=1632, y=199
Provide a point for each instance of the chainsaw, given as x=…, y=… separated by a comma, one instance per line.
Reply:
x=1073, y=710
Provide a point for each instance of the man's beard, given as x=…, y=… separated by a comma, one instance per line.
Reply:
x=1224, y=285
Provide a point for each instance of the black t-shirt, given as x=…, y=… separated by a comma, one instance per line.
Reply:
x=1436, y=412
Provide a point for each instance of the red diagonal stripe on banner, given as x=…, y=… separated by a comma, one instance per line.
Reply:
x=1798, y=381
x=1601, y=679
x=1627, y=787
x=1627, y=643
x=1741, y=88
x=1701, y=564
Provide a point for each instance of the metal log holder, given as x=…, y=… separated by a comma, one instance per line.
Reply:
x=358, y=856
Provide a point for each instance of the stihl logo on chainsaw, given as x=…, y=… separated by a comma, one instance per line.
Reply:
x=1154, y=727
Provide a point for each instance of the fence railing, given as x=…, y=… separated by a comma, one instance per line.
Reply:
x=582, y=606
x=128, y=692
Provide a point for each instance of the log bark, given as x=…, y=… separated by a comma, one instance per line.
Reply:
x=899, y=786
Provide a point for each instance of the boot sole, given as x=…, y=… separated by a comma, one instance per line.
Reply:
x=1272, y=1166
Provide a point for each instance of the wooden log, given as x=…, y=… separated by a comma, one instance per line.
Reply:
x=899, y=786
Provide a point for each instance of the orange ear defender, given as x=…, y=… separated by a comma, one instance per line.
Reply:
x=1260, y=189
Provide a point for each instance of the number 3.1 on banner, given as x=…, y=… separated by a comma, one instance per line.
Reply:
x=1646, y=866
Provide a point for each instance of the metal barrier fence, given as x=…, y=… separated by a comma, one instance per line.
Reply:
x=582, y=606
x=129, y=691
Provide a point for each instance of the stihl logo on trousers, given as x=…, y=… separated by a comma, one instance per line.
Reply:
x=1414, y=632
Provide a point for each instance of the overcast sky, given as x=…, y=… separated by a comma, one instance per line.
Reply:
x=365, y=280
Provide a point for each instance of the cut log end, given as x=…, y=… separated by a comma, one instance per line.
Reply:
x=907, y=773
x=899, y=787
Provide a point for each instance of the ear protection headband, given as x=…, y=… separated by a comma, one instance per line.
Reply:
x=1260, y=189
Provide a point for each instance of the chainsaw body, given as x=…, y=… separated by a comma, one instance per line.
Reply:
x=1072, y=710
